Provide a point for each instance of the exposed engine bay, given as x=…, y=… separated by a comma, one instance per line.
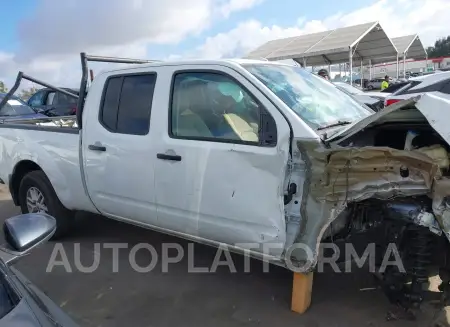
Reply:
x=410, y=214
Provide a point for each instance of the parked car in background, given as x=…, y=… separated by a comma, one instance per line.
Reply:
x=52, y=103
x=22, y=303
x=362, y=84
x=16, y=108
x=375, y=84
x=374, y=102
x=439, y=82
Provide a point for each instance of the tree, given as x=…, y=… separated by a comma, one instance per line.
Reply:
x=441, y=48
x=25, y=94
x=3, y=88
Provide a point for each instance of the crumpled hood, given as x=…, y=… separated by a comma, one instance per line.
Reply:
x=338, y=175
x=428, y=107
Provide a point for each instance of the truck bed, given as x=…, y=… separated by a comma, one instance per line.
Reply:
x=52, y=144
x=63, y=124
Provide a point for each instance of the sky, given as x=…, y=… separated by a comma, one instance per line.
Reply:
x=43, y=38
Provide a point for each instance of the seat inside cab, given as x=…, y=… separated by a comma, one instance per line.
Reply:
x=201, y=109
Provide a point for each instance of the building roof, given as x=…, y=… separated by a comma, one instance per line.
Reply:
x=368, y=41
x=411, y=45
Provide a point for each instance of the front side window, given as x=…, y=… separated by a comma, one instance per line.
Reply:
x=36, y=99
x=212, y=106
x=318, y=102
x=127, y=103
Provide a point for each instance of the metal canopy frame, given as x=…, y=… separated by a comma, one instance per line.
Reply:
x=356, y=44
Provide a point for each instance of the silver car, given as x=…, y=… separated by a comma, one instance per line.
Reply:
x=375, y=84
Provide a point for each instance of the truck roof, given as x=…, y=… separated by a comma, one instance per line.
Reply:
x=226, y=62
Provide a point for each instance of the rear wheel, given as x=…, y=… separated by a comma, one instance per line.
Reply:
x=370, y=87
x=37, y=195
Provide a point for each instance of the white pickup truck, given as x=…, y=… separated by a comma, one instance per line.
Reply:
x=263, y=157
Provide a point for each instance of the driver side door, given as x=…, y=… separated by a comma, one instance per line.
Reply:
x=221, y=159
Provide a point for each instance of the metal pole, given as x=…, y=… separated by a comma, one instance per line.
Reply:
x=397, y=66
x=404, y=65
x=350, y=59
x=304, y=62
x=370, y=69
x=340, y=70
x=361, y=74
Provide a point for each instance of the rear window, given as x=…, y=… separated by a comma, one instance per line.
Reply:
x=65, y=99
x=407, y=87
x=394, y=87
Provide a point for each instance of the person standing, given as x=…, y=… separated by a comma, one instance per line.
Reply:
x=385, y=83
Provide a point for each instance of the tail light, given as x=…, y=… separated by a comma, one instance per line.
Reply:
x=388, y=102
x=73, y=110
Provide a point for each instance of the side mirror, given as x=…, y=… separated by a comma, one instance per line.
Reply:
x=25, y=232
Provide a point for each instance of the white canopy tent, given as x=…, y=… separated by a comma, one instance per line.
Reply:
x=409, y=46
x=354, y=44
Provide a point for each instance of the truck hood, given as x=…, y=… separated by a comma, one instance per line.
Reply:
x=423, y=108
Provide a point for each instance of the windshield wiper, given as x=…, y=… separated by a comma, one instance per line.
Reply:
x=338, y=123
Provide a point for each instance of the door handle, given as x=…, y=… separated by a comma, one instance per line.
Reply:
x=165, y=156
x=96, y=147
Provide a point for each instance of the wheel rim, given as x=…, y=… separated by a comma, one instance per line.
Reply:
x=36, y=201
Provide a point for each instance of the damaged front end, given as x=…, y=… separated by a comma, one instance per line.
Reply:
x=390, y=169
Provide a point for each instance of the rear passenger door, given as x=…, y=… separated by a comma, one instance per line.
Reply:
x=221, y=157
x=119, y=155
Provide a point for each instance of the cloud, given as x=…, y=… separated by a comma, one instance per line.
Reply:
x=61, y=28
x=51, y=39
x=53, y=36
x=236, y=5
x=398, y=17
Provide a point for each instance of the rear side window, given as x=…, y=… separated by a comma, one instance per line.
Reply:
x=127, y=103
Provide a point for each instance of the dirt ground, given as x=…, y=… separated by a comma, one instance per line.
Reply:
x=178, y=298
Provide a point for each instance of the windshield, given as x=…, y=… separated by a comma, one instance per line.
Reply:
x=15, y=107
x=318, y=102
x=347, y=87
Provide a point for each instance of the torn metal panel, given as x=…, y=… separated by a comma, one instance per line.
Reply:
x=345, y=175
x=441, y=203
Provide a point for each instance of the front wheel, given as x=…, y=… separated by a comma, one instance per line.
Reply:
x=370, y=87
x=36, y=195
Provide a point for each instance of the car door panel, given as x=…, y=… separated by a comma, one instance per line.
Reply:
x=120, y=177
x=223, y=191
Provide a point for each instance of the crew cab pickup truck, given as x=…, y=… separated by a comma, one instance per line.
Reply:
x=263, y=157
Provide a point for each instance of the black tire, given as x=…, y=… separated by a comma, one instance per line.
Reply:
x=64, y=217
x=370, y=87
